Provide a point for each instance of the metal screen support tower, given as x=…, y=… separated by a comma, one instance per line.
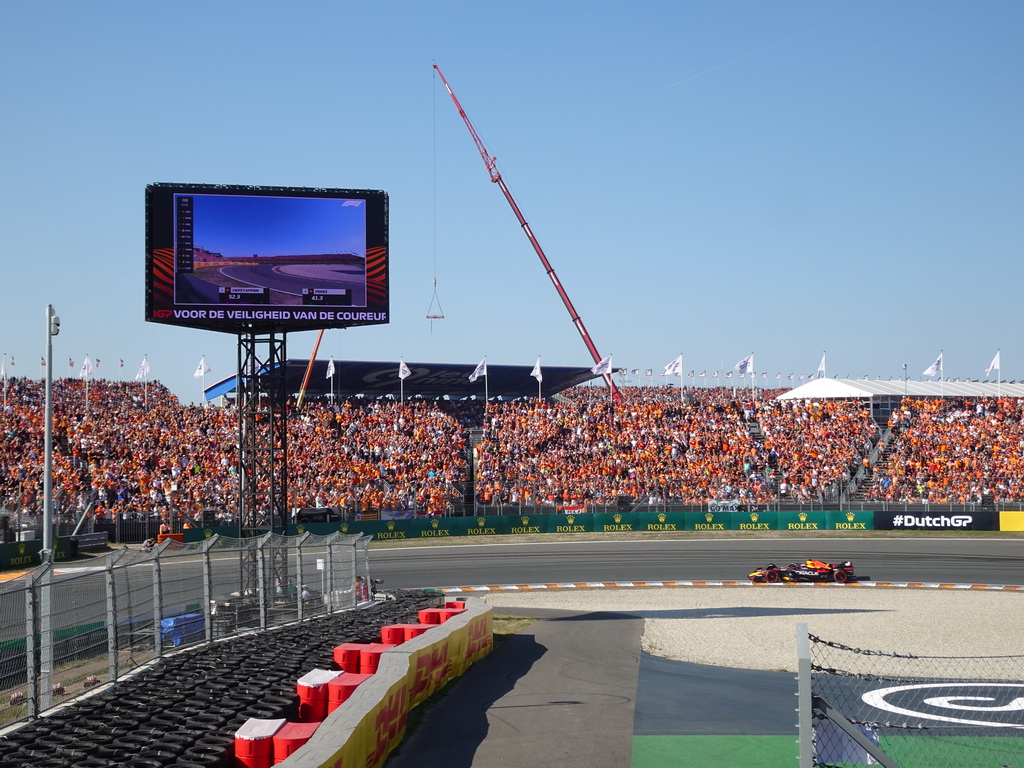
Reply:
x=262, y=400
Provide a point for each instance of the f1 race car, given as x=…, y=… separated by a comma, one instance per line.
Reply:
x=809, y=570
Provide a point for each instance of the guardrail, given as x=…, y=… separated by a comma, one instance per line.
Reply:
x=91, y=541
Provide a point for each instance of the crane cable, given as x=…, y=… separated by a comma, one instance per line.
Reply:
x=434, y=311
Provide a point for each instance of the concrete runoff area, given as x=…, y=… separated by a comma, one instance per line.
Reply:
x=559, y=693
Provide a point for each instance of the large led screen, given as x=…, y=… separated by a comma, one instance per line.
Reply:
x=238, y=259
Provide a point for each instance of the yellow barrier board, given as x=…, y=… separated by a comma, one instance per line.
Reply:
x=1011, y=521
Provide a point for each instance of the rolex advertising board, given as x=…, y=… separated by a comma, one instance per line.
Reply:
x=25, y=554
x=582, y=522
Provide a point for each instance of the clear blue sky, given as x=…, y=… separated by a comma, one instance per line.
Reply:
x=707, y=178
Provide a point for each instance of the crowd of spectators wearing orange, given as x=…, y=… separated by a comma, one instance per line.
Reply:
x=382, y=454
x=657, y=446
x=953, y=450
x=818, y=445
x=138, y=453
x=135, y=451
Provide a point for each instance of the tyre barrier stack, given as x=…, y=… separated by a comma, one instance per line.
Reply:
x=185, y=710
x=262, y=743
x=362, y=730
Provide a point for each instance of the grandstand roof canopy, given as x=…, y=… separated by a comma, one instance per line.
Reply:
x=432, y=380
x=823, y=389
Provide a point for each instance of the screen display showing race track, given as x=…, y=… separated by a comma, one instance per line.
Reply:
x=235, y=259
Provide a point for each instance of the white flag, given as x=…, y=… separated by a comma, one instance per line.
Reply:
x=536, y=371
x=821, y=366
x=675, y=368
x=330, y=368
x=994, y=365
x=934, y=368
x=143, y=371
x=403, y=370
x=86, y=368
x=604, y=367
x=480, y=370
x=746, y=364
x=202, y=369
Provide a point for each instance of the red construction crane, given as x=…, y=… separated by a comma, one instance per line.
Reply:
x=492, y=169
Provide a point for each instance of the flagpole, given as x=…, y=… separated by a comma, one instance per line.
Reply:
x=999, y=374
x=680, y=378
x=5, y=380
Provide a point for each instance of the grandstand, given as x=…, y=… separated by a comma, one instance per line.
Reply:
x=151, y=460
x=885, y=396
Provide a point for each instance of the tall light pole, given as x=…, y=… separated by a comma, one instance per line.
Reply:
x=52, y=329
x=44, y=691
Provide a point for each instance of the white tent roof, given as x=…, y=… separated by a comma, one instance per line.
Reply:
x=823, y=389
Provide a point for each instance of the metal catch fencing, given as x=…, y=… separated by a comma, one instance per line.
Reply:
x=65, y=630
x=898, y=710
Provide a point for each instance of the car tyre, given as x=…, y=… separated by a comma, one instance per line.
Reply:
x=772, y=576
x=840, y=576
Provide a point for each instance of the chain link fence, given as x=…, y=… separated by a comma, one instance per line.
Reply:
x=65, y=630
x=868, y=707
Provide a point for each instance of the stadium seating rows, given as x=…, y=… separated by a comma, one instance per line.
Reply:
x=136, y=451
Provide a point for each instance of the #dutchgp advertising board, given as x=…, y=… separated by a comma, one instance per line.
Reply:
x=274, y=259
